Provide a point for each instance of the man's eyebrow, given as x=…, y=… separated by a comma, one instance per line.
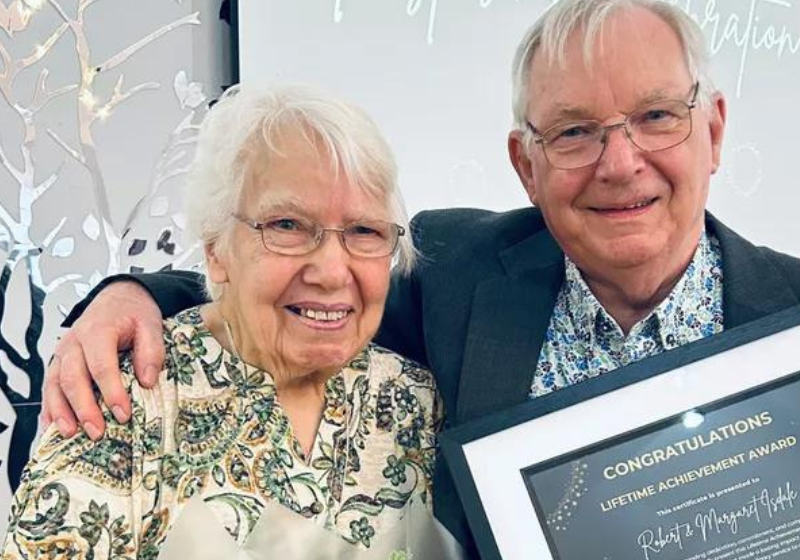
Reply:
x=563, y=113
x=658, y=95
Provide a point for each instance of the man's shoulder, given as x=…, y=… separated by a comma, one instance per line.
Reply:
x=788, y=265
x=448, y=230
x=736, y=246
x=753, y=271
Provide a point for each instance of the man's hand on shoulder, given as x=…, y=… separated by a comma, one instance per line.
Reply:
x=122, y=316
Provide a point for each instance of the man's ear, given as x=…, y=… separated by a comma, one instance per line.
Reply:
x=718, y=113
x=520, y=159
x=215, y=265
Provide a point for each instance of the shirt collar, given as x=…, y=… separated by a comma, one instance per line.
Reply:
x=668, y=321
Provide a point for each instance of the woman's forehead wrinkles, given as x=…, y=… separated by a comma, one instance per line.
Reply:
x=282, y=202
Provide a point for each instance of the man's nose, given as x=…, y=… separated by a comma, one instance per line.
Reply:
x=329, y=264
x=621, y=158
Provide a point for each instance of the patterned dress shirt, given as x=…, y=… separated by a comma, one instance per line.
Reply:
x=214, y=428
x=584, y=341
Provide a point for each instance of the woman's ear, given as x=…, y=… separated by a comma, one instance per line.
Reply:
x=216, y=266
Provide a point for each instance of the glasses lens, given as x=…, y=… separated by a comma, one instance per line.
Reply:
x=572, y=145
x=289, y=235
x=660, y=125
x=374, y=238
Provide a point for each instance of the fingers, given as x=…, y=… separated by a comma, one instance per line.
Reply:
x=148, y=352
x=54, y=404
x=102, y=361
x=76, y=386
x=120, y=315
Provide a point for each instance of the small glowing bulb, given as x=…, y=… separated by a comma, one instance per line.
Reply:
x=88, y=76
x=87, y=98
x=103, y=113
x=692, y=419
x=40, y=51
x=35, y=4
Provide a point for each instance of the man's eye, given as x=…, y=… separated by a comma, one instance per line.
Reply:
x=657, y=115
x=571, y=133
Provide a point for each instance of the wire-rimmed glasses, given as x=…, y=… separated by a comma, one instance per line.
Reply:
x=657, y=126
x=296, y=236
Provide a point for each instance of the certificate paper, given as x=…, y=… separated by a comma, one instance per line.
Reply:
x=689, y=455
x=718, y=484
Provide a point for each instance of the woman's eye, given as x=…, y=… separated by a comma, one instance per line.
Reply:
x=284, y=224
x=363, y=230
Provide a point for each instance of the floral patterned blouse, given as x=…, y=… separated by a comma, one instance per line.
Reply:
x=214, y=428
x=584, y=341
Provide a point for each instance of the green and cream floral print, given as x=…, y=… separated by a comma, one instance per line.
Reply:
x=215, y=429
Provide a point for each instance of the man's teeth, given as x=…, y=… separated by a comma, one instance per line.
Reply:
x=318, y=315
x=638, y=204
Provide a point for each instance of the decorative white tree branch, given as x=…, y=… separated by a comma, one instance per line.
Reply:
x=41, y=96
x=117, y=97
x=17, y=237
x=41, y=50
x=122, y=56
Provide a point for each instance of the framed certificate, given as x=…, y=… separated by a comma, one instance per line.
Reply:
x=690, y=455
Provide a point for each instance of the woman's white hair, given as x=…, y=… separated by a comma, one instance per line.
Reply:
x=244, y=115
x=552, y=31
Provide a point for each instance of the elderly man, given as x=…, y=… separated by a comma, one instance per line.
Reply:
x=618, y=130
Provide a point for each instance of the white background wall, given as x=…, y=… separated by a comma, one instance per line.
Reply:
x=435, y=74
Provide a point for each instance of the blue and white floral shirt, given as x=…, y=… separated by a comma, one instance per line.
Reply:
x=584, y=341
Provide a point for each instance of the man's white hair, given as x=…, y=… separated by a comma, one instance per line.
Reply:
x=248, y=118
x=554, y=28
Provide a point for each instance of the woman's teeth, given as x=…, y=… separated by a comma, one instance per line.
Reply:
x=318, y=315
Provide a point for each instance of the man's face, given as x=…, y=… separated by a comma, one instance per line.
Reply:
x=631, y=209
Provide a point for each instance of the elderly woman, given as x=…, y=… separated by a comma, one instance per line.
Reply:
x=271, y=393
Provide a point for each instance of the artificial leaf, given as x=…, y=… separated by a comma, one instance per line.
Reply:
x=189, y=94
x=63, y=247
x=91, y=227
x=159, y=207
x=137, y=247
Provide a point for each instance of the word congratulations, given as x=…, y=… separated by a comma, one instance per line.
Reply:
x=683, y=447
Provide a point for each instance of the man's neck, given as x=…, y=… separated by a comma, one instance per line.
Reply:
x=631, y=295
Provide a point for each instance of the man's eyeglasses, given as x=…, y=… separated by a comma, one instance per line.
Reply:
x=292, y=236
x=654, y=127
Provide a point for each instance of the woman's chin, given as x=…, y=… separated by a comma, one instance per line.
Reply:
x=329, y=359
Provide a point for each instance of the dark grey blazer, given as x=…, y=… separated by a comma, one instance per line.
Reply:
x=476, y=308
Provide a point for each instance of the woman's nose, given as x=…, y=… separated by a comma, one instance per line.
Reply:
x=329, y=264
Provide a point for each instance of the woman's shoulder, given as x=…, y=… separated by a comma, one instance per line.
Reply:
x=400, y=380
x=187, y=324
x=386, y=364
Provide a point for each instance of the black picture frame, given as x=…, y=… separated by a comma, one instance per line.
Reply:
x=612, y=385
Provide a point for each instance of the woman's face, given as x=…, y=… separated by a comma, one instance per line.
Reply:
x=300, y=314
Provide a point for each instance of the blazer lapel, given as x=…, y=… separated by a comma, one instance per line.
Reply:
x=752, y=287
x=508, y=321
